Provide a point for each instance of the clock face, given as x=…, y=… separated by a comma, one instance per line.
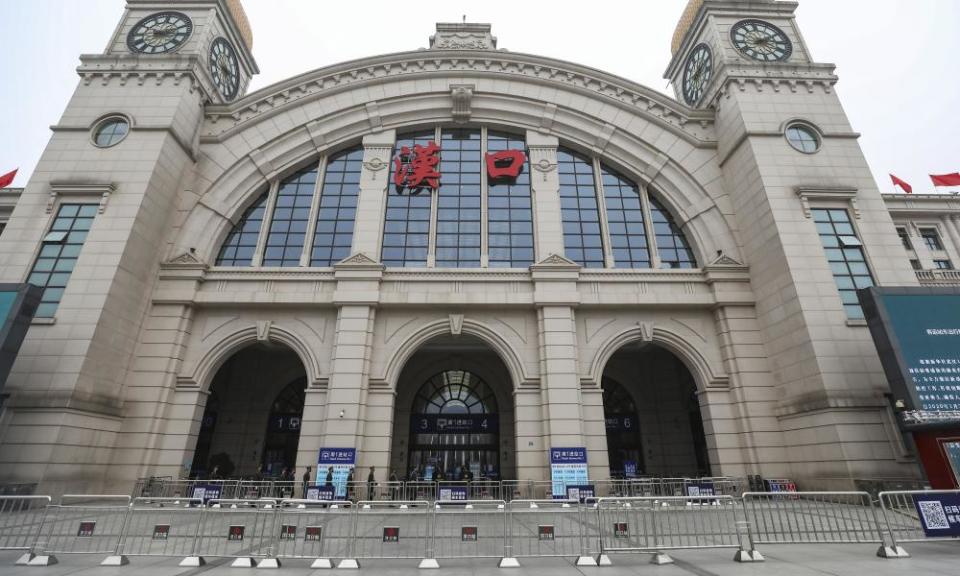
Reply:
x=697, y=74
x=225, y=69
x=761, y=41
x=159, y=33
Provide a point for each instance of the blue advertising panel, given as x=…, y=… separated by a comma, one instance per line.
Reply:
x=917, y=334
x=939, y=513
x=321, y=492
x=453, y=493
x=454, y=424
x=206, y=492
x=342, y=461
x=568, y=467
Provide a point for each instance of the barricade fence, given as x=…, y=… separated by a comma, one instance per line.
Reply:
x=265, y=530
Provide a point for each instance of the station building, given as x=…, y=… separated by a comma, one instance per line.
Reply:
x=457, y=259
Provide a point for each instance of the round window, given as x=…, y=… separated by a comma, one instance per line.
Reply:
x=803, y=138
x=111, y=131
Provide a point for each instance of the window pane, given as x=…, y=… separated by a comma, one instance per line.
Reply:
x=292, y=208
x=510, y=211
x=408, y=214
x=577, y=229
x=458, y=209
x=337, y=213
x=672, y=245
x=622, y=198
x=58, y=254
x=848, y=264
x=238, y=248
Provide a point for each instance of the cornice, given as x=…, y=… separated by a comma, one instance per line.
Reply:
x=224, y=119
x=160, y=69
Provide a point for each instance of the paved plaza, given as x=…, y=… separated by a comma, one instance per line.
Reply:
x=933, y=558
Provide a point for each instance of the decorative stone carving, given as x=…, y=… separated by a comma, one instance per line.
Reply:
x=93, y=192
x=357, y=260
x=724, y=260
x=462, y=95
x=456, y=324
x=646, y=331
x=842, y=193
x=263, y=330
x=453, y=36
x=554, y=260
x=186, y=258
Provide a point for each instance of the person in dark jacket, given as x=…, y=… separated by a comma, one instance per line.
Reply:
x=371, y=483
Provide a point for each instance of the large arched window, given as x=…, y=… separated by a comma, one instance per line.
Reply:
x=406, y=234
x=286, y=209
x=630, y=230
x=509, y=210
x=458, y=208
x=455, y=392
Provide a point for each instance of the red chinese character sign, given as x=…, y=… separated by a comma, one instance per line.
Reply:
x=416, y=169
x=505, y=164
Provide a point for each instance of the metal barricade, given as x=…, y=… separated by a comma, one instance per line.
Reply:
x=255, y=490
x=484, y=490
x=811, y=517
x=472, y=529
x=538, y=528
x=420, y=490
x=161, y=527
x=516, y=490
x=391, y=530
x=314, y=529
x=540, y=490
x=724, y=486
x=673, y=487
x=21, y=523
x=239, y=529
x=657, y=524
x=901, y=518
x=83, y=524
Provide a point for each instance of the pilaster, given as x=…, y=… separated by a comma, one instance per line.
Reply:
x=377, y=150
x=545, y=186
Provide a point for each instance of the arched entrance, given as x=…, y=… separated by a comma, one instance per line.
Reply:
x=251, y=423
x=454, y=413
x=653, y=420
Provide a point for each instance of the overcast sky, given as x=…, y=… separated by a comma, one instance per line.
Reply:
x=897, y=59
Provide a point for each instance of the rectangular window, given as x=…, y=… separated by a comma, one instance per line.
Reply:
x=59, y=252
x=628, y=238
x=916, y=264
x=943, y=264
x=846, y=257
x=931, y=239
x=509, y=211
x=905, y=238
x=458, y=209
x=333, y=235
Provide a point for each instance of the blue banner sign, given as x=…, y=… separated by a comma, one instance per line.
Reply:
x=581, y=493
x=342, y=460
x=206, y=492
x=568, y=467
x=568, y=455
x=939, y=513
x=321, y=492
x=454, y=424
x=453, y=493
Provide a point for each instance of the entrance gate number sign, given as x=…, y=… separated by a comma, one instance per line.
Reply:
x=313, y=533
x=621, y=530
x=939, y=514
x=468, y=533
x=161, y=532
x=86, y=529
x=545, y=531
x=391, y=534
x=288, y=532
x=235, y=533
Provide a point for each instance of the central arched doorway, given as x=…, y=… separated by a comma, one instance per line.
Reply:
x=251, y=423
x=653, y=416
x=454, y=414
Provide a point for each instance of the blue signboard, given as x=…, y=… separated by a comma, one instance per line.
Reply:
x=917, y=333
x=454, y=424
x=321, y=492
x=939, y=513
x=630, y=468
x=568, y=467
x=342, y=460
x=453, y=493
x=206, y=492
x=581, y=493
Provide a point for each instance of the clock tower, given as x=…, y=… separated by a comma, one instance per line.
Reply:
x=813, y=228
x=118, y=165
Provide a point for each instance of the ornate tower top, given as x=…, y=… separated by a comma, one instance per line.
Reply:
x=240, y=19
x=686, y=20
x=463, y=36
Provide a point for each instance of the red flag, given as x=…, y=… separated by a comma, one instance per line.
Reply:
x=898, y=182
x=946, y=179
x=7, y=179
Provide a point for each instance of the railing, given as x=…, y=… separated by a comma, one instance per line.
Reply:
x=264, y=531
x=938, y=277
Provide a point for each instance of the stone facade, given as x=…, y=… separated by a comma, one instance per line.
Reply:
x=114, y=387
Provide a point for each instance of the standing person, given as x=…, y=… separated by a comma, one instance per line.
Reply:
x=371, y=482
x=306, y=480
x=350, y=485
x=393, y=484
x=329, y=480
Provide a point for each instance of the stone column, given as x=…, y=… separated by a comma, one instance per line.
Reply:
x=953, y=246
x=920, y=247
x=349, y=422
x=556, y=296
x=545, y=186
x=377, y=150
